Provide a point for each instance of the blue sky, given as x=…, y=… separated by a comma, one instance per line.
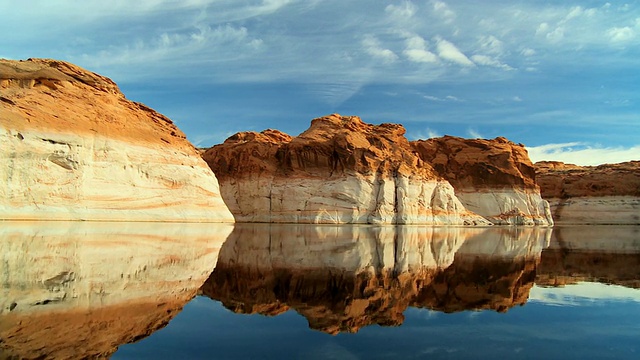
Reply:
x=559, y=76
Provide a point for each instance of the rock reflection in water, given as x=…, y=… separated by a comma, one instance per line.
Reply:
x=343, y=278
x=605, y=254
x=79, y=289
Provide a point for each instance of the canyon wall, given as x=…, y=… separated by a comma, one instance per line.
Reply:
x=493, y=178
x=342, y=170
x=604, y=194
x=74, y=148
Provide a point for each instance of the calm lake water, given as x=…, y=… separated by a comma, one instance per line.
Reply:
x=135, y=290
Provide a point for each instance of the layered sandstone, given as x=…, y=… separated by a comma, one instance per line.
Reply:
x=342, y=170
x=344, y=278
x=604, y=194
x=493, y=178
x=81, y=289
x=73, y=147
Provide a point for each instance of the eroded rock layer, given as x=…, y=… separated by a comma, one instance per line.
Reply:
x=493, y=178
x=342, y=170
x=604, y=194
x=73, y=147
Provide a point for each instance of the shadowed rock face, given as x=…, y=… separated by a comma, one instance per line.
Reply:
x=73, y=147
x=342, y=170
x=604, y=194
x=342, y=279
x=80, y=290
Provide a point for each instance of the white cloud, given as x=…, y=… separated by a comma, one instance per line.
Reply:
x=176, y=46
x=474, y=134
x=574, y=12
x=491, y=45
x=583, y=154
x=372, y=47
x=450, y=52
x=516, y=99
x=405, y=10
x=446, y=98
x=416, y=50
x=543, y=29
x=428, y=133
x=489, y=61
x=444, y=11
x=556, y=35
x=621, y=34
x=528, y=52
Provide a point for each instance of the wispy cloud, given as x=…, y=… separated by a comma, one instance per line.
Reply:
x=442, y=99
x=583, y=153
x=416, y=50
x=474, y=134
x=427, y=133
x=372, y=47
x=448, y=51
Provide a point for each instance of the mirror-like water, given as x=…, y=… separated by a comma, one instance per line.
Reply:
x=300, y=291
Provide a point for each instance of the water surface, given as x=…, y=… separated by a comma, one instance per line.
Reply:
x=304, y=291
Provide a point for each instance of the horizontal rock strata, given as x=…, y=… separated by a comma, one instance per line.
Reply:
x=342, y=170
x=493, y=178
x=73, y=147
x=604, y=194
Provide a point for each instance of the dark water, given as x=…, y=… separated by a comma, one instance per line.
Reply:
x=131, y=291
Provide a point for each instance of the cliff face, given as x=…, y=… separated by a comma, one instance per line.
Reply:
x=73, y=147
x=344, y=278
x=342, y=170
x=80, y=289
x=493, y=178
x=604, y=194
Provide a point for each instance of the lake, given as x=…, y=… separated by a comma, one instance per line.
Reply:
x=249, y=291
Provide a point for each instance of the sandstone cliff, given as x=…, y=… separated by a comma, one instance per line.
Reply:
x=493, y=178
x=342, y=170
x=73, y=290
x=604, y=194
x=344, y=278
x=73, y=147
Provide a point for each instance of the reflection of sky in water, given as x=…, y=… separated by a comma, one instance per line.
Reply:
x=597, y=329
x=584, y=293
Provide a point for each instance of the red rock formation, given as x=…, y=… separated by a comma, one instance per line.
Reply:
x=73, y=147
x=560, y=180
x=344, y=170
x=479, y=164
x=493, y=178
x=604, y=194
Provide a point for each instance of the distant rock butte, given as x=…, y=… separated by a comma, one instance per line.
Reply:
x=73, y=147
x=342, y=170
x=604, y=194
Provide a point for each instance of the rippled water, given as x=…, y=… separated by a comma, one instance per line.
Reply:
x=135, y=290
